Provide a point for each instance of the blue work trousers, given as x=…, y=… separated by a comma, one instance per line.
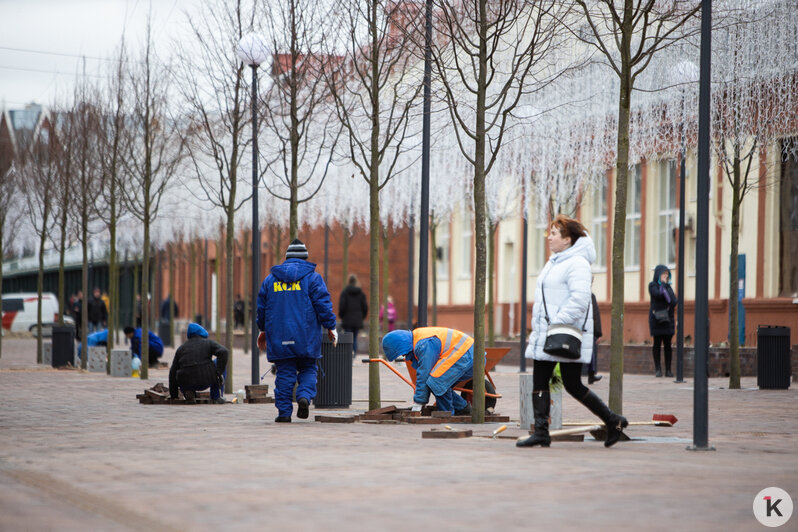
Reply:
x=450, y=401
x=290, y=371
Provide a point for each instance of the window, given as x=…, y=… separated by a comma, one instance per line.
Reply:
x=633, y=219
x=466, y=245
x=668, y=213
x=599, y=224
x=13, y=304
x=442, y=251
x=538, y=246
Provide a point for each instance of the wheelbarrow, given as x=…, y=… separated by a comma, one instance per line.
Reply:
x=492, y=357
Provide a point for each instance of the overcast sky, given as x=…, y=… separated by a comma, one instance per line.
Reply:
x=42, y=41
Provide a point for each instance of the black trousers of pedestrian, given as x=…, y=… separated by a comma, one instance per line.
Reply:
x=656, y=349
x=571, y=377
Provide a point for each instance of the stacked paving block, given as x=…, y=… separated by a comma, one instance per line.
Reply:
x=47, y=353
x=258, y=393
x=97, y=359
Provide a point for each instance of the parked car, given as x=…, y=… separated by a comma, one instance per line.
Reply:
x=19, y=312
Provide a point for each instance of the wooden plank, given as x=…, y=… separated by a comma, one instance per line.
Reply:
x=446, y=434
x=259, y=400
x=424, y=420
x=384, y=410
x=334, y=419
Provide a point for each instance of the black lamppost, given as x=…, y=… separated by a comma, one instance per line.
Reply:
x=423, y=250
x=252, y=51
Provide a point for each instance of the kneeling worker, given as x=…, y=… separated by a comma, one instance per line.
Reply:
x=155, y=343
x=194, y=369
x=441, y=357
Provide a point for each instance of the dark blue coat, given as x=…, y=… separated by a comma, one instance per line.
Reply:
x=293, y=306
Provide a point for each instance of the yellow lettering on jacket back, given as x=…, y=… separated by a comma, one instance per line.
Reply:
x=286, y=287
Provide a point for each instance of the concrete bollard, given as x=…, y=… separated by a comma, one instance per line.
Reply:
x=527, y=410
x=97, y=359
x=47, y=353
x=121, y=363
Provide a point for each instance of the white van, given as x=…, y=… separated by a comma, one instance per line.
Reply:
x=19, y=312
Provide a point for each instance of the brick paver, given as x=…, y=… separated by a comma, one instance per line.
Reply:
x=78, y=452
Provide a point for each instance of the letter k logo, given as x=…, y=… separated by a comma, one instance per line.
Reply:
x=772, y=506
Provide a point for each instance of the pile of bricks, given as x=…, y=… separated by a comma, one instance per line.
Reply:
x=159, y=395
x=392, y=414
x=258, y=393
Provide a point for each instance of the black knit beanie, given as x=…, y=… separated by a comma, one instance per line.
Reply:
x=296, y=250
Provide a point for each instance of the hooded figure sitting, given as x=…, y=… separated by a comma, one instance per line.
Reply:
x=441, y=357
x=293, y=306
x=194, y=369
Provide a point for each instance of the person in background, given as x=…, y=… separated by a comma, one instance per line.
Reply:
x=77, y=313
x=564, y=288
x=661, y=322
x=97, y=312
x=441, y=357
x=238, y=312
x=165, y=308
x=293, y=306
x=99, y=338
x=592, y=367
x=138, y=310
x=155, y=343
x=352, y=309
x=199, y=363
x=391, y=314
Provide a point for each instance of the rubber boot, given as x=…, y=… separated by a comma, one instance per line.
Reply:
x=541, y=402
x=668, y=356
x=615, y=423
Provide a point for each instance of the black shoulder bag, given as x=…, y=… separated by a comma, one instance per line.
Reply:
x=562, y=340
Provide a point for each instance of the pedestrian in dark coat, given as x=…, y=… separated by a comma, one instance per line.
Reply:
x=97, y=312
x=661, y=321
x=293, y=306
x=352, y=309
x=194, y=368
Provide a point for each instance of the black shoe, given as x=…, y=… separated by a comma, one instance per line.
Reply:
x=614, y=423
x=658, y=373
x=282, y=419
x=465, y=411
x=218, y=401
x=591, y=378
x=302, y=410
x=668, y=373
x=190, y=397
x=541, y=402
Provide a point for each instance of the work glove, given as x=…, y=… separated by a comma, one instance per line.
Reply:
x=333, y=334
x=416, y=407
x=262, y=341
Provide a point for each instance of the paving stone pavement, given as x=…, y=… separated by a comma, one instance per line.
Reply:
x=78, y=452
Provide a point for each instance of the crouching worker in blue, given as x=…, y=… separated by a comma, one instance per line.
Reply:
x=155, y=344
x=441, y=357
x=293, y=306
x=194, y=368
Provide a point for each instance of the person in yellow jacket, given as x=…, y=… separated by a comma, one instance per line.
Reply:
x=441, y=357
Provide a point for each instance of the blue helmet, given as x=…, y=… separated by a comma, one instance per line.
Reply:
x=397, y=343
x=195, y=329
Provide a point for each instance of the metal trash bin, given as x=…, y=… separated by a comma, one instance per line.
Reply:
x=163, y=332
x=63, y=345
x=334, y=385
x=773, y=365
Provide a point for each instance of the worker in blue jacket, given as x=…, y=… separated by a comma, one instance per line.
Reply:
x=442, y=357
x=293, y=306
x=99, y=338
x=156, y=345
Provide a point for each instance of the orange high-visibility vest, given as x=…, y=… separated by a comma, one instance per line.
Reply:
x=454, y=345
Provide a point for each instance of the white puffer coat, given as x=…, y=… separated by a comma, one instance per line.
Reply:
x=567, y=280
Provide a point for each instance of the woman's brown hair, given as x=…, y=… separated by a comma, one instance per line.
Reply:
x=569, y=227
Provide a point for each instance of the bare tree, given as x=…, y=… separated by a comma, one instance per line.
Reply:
x=37, y=161
x=154, y=154
x=216, y=98
x=9, y=218
x=488, y=54
x=628, y=36
x=298, y=116
x=374, y=91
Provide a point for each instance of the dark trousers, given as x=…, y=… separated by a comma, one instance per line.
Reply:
x=655, y=351
x=571, y=377
x=354, y=339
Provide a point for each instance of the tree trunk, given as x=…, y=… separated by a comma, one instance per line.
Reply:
x=145, y=287
x=374, y=213
x=40, y=286
x=84, y=304
x=478, y=400
x=171, y=258
x=734, y=331
x=229, y=321
x=345, y=259
x=619, y=228
x=217, y=267
x=113, y=287
x=61, y=282
x=192, y=293
x=386, y=243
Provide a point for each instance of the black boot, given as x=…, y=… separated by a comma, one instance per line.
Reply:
x=592, y=377
x=541, y=401
x=614, y=423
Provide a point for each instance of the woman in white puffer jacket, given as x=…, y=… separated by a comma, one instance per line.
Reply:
x=566, y=283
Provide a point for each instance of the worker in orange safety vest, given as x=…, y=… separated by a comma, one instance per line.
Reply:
x=441, y=357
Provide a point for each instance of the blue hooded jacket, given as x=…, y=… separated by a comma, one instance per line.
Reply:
x=293, y=306
x=155, y=343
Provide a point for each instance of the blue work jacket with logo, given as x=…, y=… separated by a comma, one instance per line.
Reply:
x=293, y=306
